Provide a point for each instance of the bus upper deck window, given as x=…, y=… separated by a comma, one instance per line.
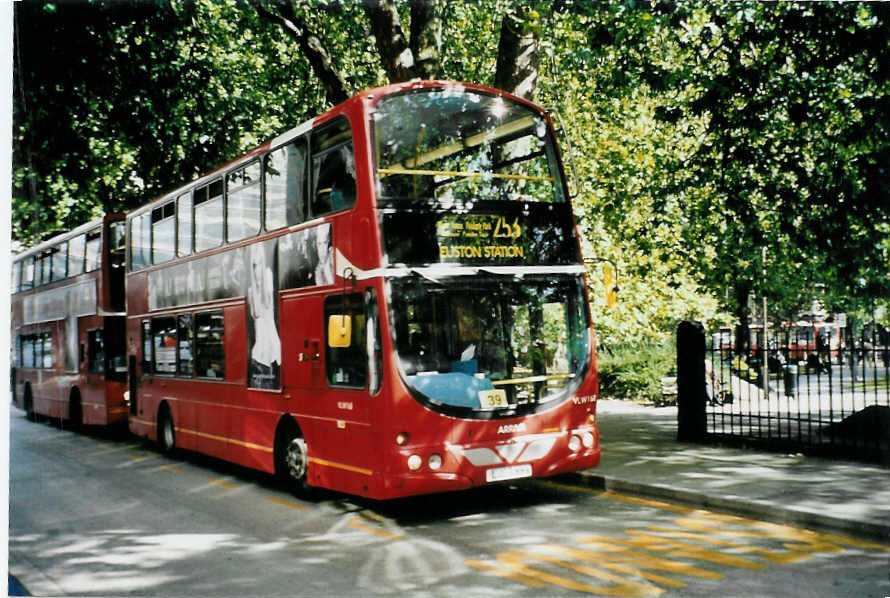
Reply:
x=28, y=273
x=457, y=145
x=45, y=268
x=94, y=249
x=140, y=241
x=243, y=202
x=333, y=168
x=285, y=181
x=17, y=277
x=163, y=233
x=184, y=224
x=60, y=261
x=209, y=215
x=77, y=250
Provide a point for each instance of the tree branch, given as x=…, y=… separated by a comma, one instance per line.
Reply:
x=313, y=49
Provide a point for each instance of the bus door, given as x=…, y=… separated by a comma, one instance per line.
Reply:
x=350, y=322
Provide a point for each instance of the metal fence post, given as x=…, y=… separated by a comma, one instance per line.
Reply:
x=691, y=390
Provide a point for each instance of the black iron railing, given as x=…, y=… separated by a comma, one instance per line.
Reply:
x=809, y=388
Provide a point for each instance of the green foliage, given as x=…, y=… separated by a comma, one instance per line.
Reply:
x=703, y=132
x=634, y=371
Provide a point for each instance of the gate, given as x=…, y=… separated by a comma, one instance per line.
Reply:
x=812, y=387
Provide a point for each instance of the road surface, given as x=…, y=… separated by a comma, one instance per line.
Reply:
x=98, y=514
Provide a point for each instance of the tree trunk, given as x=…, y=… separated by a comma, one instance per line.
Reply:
x=517, y=66
x=426, y=37
x=392, y=45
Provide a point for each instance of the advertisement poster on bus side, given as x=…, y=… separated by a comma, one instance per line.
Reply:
x=299, y=259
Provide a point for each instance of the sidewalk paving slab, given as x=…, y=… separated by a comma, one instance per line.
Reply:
x=641, y=455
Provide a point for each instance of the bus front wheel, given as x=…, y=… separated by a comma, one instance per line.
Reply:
x=292, y=461
x=29, y=404
x=166, y=432
x=75, y=411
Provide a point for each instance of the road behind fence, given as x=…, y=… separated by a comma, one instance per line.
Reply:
x=832, y=399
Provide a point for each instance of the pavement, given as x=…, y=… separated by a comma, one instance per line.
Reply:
x=641, y=456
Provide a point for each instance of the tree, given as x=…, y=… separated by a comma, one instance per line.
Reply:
x=796, y=100
x=412, y=54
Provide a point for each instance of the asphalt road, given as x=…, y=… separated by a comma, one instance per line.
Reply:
x=99, y=514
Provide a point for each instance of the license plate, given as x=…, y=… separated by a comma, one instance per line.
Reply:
x=513, y=472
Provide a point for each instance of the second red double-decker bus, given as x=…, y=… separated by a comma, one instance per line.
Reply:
x=387, y=300
x=68, y=325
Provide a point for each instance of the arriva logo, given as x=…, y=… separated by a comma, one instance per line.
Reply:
x=511, y=428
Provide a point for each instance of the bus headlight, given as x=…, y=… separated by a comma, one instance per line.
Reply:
x=574, y=443
x=587, y=439
x=435, y=461
x=414, y=462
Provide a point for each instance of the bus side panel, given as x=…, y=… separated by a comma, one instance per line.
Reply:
x=215, y=404
x=252, y=426
x=137, y=293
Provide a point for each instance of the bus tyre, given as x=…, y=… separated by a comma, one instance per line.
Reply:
x=75, y=412
x=29, y=404
x=293, y=465
x=166, y=432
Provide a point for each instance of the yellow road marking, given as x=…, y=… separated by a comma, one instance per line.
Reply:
x=529, y=581
x=632, y=566
x=173, y=468
x=617, y=586
x=223, y=484
x=356, y=524
x=286, y=503
x=711, y=522
x=612, y=549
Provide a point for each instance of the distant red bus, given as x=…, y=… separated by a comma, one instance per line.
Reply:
x=68, y=325
x=387, y=300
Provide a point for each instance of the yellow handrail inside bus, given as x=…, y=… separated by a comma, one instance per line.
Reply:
x=515, y=177
x=471, y=141
x=543, y=378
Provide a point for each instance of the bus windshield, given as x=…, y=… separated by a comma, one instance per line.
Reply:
x=490, y=344
x=454, y=145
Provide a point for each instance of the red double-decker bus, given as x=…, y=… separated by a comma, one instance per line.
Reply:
x=68, y=325
x=387, y=300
